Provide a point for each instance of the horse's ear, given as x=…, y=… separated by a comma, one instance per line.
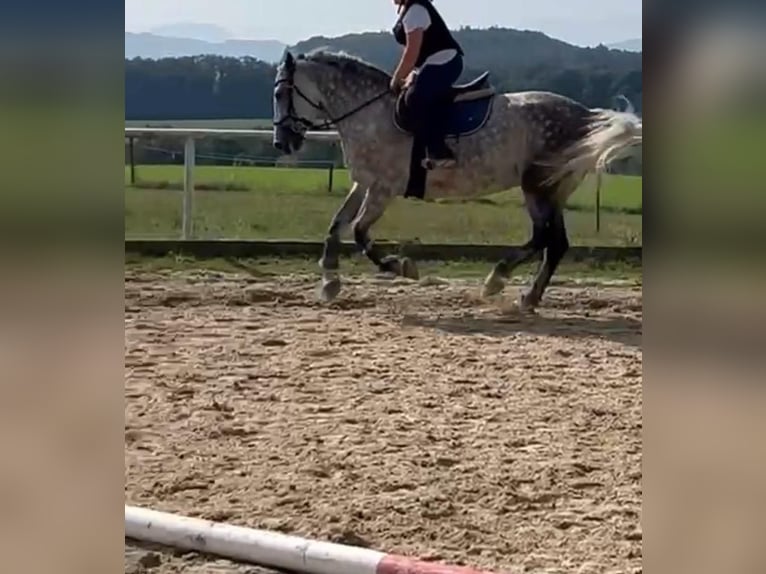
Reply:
x=289, y=60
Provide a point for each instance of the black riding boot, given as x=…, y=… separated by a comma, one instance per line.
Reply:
x=437, y=150
x=416, y=183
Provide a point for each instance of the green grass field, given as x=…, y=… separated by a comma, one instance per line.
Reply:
x=285, y=203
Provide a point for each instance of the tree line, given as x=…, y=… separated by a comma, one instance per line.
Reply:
x=217, y=87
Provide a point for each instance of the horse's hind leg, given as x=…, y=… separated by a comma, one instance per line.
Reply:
x=375, y=203
x=329, y=262
x=541, y=210
x=558, y=244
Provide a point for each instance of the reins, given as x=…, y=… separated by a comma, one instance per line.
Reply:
x=333, y=120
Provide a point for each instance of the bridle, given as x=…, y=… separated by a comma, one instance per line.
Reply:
x=307, y=124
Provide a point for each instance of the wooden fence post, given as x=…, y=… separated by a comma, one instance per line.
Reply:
x=598, y=203
x=132, y=158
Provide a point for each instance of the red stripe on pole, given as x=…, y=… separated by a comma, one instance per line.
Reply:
x=393, y=564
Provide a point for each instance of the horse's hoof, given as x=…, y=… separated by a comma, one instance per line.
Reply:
x=391, y=264
x=409, y=269
x=527, y=304
x=492, y=286
x=329, y=290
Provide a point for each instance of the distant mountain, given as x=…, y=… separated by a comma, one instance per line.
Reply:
x=516, y=48
x=518, y=59
x=632, y=45
x=193, y=30
x=154, y=46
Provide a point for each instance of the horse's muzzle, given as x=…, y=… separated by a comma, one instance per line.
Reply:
x=281, y=140
x=287, y=141
x=284, y=147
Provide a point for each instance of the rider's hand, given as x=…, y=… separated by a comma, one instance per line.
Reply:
x=395, y=85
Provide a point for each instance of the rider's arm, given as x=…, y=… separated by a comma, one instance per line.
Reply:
x=415, y=21
x=410, y=55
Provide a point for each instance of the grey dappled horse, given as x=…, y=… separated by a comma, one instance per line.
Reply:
x=544, y=142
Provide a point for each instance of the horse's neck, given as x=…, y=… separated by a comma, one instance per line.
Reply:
x=341, y=97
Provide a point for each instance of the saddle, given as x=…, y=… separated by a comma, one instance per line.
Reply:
x=469, y=109
x=477, y=88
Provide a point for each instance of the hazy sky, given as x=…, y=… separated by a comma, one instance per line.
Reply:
x=583, y=22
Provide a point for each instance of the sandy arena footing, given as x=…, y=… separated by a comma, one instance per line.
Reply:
x=414, y=419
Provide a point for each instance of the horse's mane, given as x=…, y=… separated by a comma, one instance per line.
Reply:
x=347, y=63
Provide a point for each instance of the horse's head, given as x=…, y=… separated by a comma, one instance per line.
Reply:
x=297, y=106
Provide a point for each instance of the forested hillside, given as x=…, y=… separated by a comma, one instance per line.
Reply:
x=519, y=60
x=215, y=87
x=199, y=87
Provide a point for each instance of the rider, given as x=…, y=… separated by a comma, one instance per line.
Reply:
x=435, y=60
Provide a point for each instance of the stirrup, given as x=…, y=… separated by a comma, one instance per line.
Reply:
x=429, y=163
x=449, y=161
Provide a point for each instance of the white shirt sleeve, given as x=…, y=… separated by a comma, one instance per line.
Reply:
x=416, y=18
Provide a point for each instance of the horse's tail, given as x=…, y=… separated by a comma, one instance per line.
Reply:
x=607, y=134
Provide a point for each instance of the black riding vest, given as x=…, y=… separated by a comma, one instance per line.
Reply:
x=436, y=38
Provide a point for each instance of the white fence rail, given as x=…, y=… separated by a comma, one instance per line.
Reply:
x=191, y=135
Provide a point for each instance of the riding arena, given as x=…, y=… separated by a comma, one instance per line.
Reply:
x=413, y=421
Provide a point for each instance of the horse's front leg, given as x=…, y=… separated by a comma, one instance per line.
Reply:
x=330, y=260
x=375, y=203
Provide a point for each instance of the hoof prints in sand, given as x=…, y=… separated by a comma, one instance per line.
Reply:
x=415, y=419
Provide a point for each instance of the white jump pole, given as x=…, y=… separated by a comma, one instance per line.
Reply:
x=271, y=549
x=187, y=228
x=249, y=545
